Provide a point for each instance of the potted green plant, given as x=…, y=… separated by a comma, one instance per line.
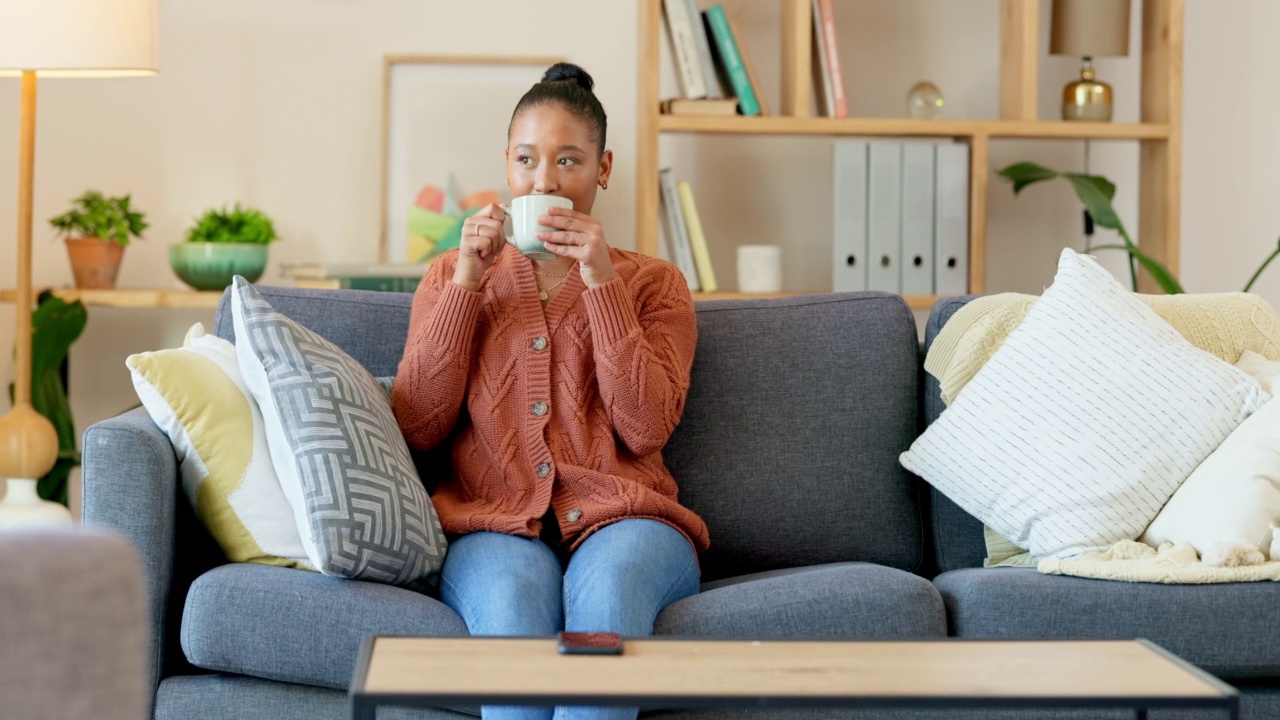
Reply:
x=223, y=243
x=1096, y=193
x=97, y=229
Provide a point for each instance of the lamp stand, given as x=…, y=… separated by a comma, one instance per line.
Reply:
x=1087, y=98
x=28, y=441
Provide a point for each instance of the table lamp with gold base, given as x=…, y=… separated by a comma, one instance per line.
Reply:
x=53, y=38
x=1089, y=29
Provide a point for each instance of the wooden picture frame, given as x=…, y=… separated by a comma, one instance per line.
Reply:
x=444, y=124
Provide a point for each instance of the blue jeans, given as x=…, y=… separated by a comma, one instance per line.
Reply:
x=618, y=580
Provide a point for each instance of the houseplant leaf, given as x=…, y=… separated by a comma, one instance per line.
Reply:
x=1159, y=272
x=1026, y=173
x=56, y=324
x=1096, y=193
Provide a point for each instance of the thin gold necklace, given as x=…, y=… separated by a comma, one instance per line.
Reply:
x=536, y=272
x=543, y=292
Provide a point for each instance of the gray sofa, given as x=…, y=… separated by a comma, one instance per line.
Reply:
x=788, y=448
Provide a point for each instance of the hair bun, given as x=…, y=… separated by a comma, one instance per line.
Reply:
x=568, y=72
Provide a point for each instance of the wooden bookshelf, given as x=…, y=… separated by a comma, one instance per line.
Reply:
x=1159, y=132
x=132, y=298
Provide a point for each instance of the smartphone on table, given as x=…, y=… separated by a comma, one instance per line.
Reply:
x=590, y=643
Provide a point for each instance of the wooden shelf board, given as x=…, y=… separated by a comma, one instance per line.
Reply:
x=916, y=302
x=776, y=125
x=132, y=298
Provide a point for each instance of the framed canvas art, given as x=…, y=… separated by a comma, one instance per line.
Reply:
x=444, y=132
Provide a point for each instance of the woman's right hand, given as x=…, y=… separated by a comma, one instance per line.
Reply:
x=482, y=240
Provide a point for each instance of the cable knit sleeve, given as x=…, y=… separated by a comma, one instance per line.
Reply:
x=431, y=381
x=644, y=337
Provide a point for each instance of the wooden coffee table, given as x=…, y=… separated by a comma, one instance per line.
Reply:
x=687, y=673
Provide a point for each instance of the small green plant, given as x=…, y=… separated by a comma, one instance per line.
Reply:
x=56, y=324
x=237, y=225
x=107, y=218
x=1096, y=192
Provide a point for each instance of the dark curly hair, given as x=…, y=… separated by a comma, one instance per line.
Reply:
x=570, y=86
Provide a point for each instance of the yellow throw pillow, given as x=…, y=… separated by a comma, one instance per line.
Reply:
x=196, y=395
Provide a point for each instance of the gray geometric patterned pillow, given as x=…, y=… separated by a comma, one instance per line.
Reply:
x=359, y=505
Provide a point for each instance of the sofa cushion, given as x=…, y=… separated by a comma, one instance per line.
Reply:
x=197, y=396
x=1225, y=629
x=788, y=444
x=297, y=626
x=840, y=600
x=955, y=535
x=1093, y=379
x=369, y=326
x=344, y=466
x=791, y=399
x=215, y=696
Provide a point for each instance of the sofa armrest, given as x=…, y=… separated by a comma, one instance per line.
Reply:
x=73, y=626
x=130, y=479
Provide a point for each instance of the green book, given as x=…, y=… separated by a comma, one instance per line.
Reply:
x=383, y=284
x=726, y=46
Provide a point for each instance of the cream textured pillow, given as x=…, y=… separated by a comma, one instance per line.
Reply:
x=1222, y=324
x=1234, y=495
x=198, y=398
x=1079, y=428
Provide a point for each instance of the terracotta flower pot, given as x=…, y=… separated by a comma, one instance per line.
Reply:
x=94, y=262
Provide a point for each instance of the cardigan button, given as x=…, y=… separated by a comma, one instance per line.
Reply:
x=574, y=515
x=544, y=469
x=539, y=408
x=539, y=344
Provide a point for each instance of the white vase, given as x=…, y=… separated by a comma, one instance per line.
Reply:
x=22, y=508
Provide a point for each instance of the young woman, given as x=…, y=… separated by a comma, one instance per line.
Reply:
x=557, y=383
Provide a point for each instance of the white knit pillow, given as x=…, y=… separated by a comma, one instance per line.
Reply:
x=1234, y=495
x=1087, y=419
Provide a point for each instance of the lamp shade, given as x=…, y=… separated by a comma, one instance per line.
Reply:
x=1089, y=28
x=78, y=37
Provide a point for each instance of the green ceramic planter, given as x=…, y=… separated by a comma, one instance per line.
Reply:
x=210, y=266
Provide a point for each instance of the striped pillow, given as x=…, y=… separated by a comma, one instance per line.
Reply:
x=1087, y=419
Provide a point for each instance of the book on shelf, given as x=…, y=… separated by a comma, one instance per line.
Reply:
x=675, y=229
x=702, y=42
x=828, y=77
x=701, y=255
x=703, y=106
x=684, y=48
x=386, y=277
x=752, y=77
x=727, y=50
x=370, y=282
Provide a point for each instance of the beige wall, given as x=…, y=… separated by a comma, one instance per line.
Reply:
x=278, y=104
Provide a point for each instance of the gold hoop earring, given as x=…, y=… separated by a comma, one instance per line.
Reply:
x=604, y=185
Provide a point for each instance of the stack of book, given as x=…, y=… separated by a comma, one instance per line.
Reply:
x=686, y=243
x=715, y=74
x=385, y=277
x=901, y=217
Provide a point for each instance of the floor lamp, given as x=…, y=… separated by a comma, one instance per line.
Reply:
x=53, y=38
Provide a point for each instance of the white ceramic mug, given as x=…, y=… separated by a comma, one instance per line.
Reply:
x=524, y=213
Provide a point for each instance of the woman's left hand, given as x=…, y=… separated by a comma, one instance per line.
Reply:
x=581, y=237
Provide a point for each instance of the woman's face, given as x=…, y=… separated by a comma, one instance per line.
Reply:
x=551, y=151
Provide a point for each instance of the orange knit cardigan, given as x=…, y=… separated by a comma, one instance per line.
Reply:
x=567, y=408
